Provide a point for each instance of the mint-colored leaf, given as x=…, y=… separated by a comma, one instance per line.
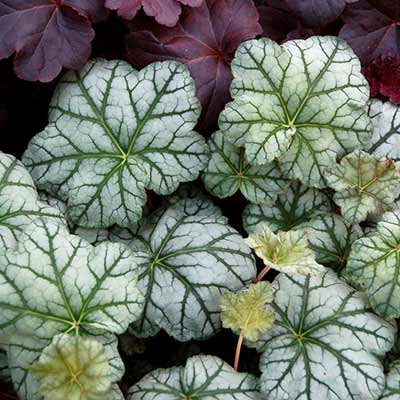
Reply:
x=203, y=377
x=25, y=350
x=296, y=205
x=303, y=103
x=385, y=141
x=375, y=264
x=330, y=237
x=189, y=256
x=392, y=389
x=287, y=252
x=325, y=344
x=228, y=171
x=19, y=202
x=364, y=184
x=115, y=132
x=73, y=368
x=246, y=312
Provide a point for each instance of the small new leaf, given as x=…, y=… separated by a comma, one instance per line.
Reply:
x=73, y=368
x=364, y=185
x=287, y=252
x=245, y=312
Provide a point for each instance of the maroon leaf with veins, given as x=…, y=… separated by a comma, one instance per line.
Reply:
x=47, y=35
x=373, y=28
x=205, y=39
x=166, y=12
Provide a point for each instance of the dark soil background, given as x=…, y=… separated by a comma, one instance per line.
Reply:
x=23, y=113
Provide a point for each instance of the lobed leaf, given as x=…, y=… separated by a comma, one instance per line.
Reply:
x=374, y=263
x=303, y=103
x=113, y=133
x=246, y=311
x=298, y=204
x=325, y=343
x=189, y=256
x=228, y=171
x=287, y=252
x=363, y=184
x=203, y=377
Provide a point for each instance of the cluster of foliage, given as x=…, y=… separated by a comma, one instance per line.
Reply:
x=104, y=243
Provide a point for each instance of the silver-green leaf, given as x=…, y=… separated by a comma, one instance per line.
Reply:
x=203, y=377
x=19, y=201
x=189, y=257
x=325, y=343
x=303, y=103
x=392, y=389
x=115, y=132
x=298, y=204
x=374, y=263
x=228, y=171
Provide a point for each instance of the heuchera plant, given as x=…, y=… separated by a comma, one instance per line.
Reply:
x=114, y=230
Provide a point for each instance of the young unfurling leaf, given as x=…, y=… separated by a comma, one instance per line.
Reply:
x=287, y=252
x=246, y=312
x=73, y=368
x=364, y=184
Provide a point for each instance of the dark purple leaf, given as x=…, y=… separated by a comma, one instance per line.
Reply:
x=373, y=28
x=383, y=75
x=316, y=13
x=166, y=12
x=205, y=39
x=47, y=35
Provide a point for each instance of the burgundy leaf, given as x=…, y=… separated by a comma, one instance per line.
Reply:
x=166, y=12
x=383, y=75
x=205, y=39
x=93, y=9
x=316, y=13
x=373, y=28
x=47, y=35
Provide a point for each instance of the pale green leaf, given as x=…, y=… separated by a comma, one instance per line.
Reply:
x=330, y=237
x=228, y=171
x=203, y=378
x=19, y=201
x=325, y=343
x=73, y=368
x=115, y=132
x=287, y=252
x=303, y=103
x=374, y=263
x=189, y=256
x=297, y=205
x=392, y=389
x=364, y=184
x=246, y=312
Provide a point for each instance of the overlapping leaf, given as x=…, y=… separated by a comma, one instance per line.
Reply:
x=114, y=132
x=303, y=104
x=203, y=377
x=165, y=12
x=72, y=367
x=47, y=35
x=330, y=237
x=371, y=28
x=392, y=389
x=57, y=283
x=19, y=202
x=375, y=264
x=385, y=141
x=325, y=344
x=228, y=171
x=297, y=205
x=190, y=256
x=364, y=184
x=205, y=39
x=287, y=252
